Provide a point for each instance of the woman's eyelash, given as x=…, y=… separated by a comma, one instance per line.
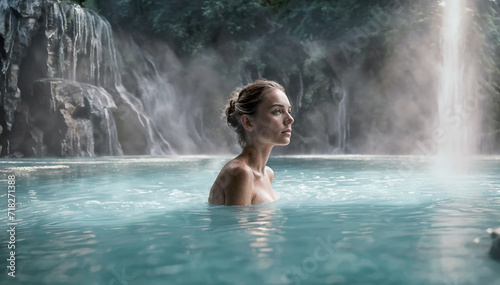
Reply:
x=279, y=111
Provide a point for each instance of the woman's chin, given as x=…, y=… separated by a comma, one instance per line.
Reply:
x=285, y=142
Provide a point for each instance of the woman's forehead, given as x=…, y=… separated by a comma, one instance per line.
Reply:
x=276, y=96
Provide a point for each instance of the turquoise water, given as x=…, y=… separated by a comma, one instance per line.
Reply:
x=340, y=220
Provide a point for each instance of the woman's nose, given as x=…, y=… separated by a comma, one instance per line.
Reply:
x=289, y=119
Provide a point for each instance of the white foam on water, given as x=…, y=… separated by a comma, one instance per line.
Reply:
x=35, y=168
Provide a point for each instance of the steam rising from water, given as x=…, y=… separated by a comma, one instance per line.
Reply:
x=371, y=107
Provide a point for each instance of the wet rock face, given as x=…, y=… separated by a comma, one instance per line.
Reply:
x=495, y=245
x=59, y=114
x=19, y=22
x=61, y=86
x=79, y=45
x=74, y=115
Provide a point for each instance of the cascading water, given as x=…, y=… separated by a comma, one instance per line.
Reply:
x=343, y=123
x=81, y=48
x=458, y=94
x=159, y=101
x=79, y=45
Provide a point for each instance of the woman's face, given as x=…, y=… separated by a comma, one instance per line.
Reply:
x=272, y=123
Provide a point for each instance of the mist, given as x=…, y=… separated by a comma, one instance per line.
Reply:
x=372, y=87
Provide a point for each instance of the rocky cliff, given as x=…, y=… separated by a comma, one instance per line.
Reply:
x=62, y=92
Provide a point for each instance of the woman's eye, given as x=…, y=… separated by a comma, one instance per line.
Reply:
x=277, y=111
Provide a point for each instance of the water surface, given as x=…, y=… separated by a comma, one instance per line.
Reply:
x=340, y=220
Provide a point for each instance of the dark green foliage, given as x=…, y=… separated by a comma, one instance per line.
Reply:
x=197, y=24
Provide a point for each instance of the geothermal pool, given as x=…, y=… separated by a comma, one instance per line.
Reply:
x=340, y=220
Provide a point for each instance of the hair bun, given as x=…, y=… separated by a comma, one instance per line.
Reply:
x=229, y=113
x=232, y=105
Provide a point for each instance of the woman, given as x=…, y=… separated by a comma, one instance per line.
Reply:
x=260, y=116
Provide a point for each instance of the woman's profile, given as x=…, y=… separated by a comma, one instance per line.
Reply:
x=260, y=114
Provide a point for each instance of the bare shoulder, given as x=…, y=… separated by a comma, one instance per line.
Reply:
x=237, y=167
x=234, y=183
x=237, y=171
x=270, y=173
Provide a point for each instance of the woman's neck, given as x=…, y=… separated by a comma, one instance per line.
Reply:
x=256, y=157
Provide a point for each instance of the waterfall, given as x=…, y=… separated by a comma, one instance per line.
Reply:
x=104, y=128
x=342, y=121
x=79, y=45
x=301, y=91
x=458, y=97
x=81, y=48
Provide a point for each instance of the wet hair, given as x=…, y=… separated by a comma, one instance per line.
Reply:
x=245, y=101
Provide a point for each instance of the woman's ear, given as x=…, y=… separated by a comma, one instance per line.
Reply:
x=247, y=123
